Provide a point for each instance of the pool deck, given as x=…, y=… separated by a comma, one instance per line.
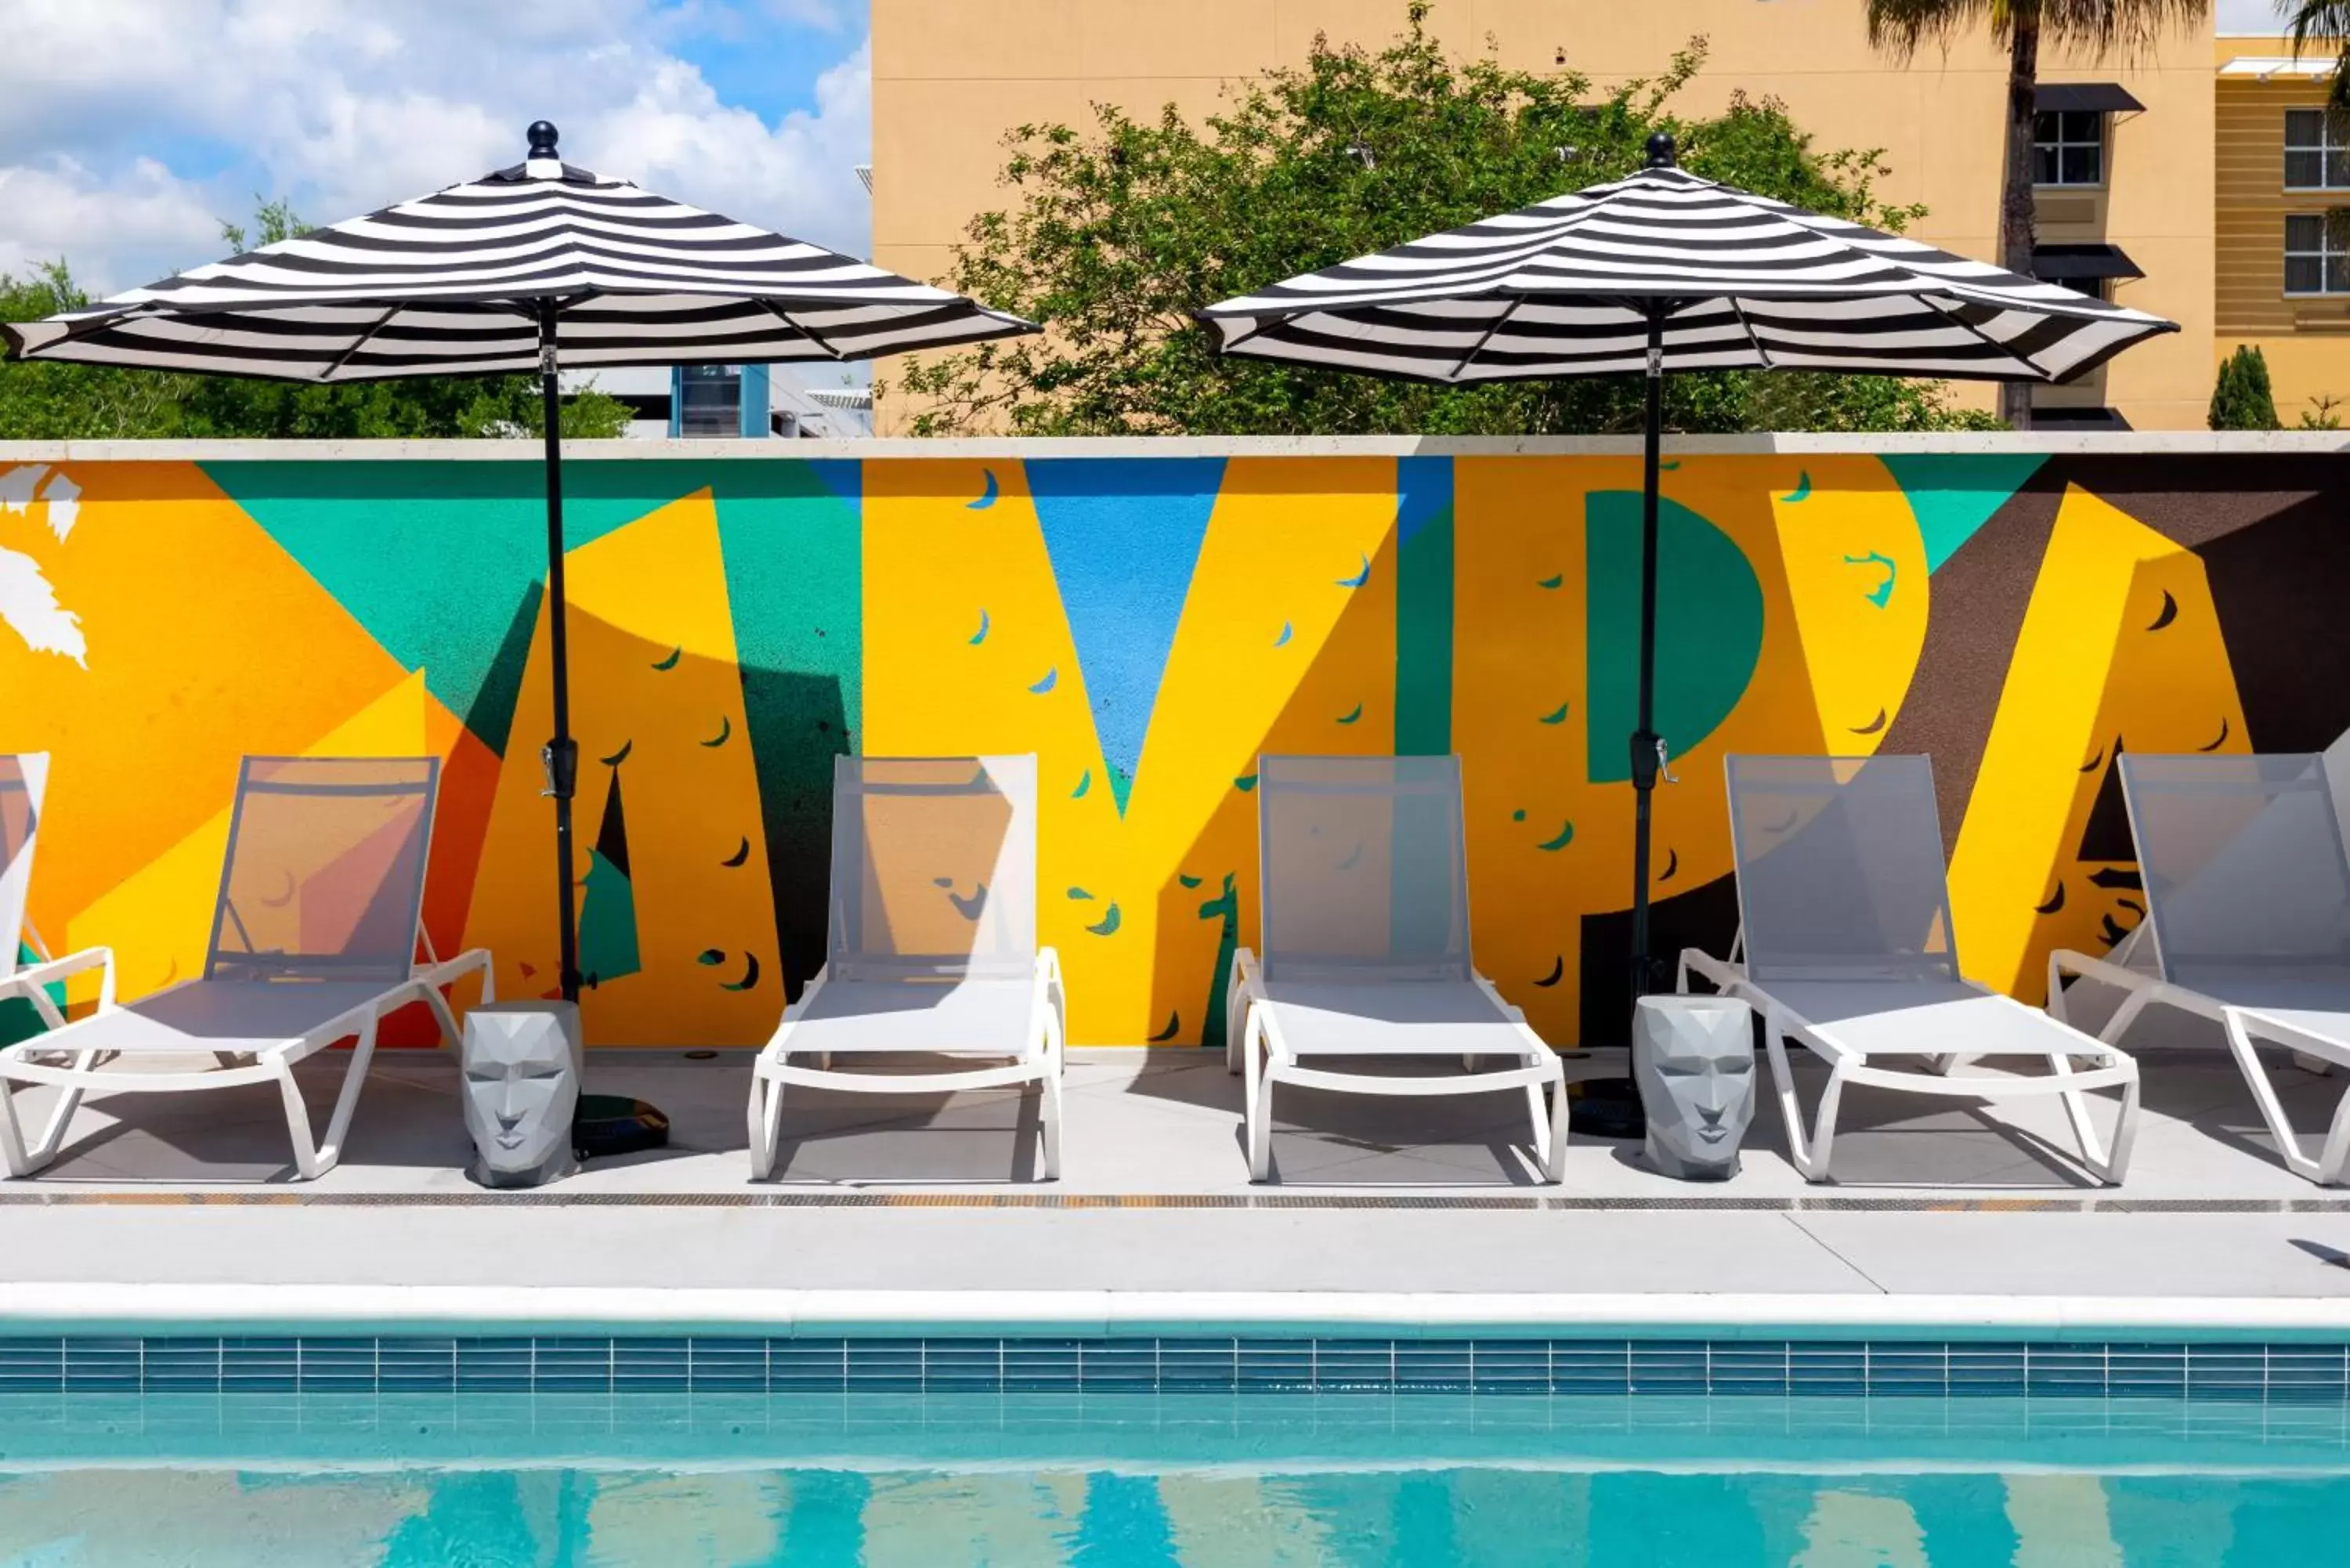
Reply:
x=920, y=1207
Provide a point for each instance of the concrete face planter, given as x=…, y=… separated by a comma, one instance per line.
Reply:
x=522, y=1063
x=1693, y=1057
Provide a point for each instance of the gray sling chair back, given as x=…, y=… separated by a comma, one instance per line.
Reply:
x=316, y=936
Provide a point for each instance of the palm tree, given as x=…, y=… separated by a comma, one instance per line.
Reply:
x=2326, y=24
x=2099, y=26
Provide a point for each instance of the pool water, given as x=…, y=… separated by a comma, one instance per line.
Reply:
x=1490, y=1517
x=1396, y=1481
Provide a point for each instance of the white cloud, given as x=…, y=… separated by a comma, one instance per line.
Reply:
x=129, y=129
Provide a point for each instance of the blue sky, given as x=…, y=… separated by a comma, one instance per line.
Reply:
x=129, y=130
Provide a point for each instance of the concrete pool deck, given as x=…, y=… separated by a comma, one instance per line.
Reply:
x=922, y=1198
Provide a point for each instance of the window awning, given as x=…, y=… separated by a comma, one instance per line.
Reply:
x=2260, y=67
x=2058, y=263
x=2091, y=98
x=2078, y=419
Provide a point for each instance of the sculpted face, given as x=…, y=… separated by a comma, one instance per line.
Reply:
x=520, y=1092
x=1696, y=1082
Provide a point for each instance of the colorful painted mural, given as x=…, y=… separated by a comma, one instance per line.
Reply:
x=1148, y=627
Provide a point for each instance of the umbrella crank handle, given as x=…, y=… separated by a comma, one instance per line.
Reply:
x=561, y=761
x=1650, y=760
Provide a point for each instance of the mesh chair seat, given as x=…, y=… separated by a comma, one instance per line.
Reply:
x=1892, y=1019
x=976, y=1017
x=206, y=1015
x=1418, y=1018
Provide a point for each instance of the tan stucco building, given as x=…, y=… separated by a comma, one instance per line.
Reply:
x=2128, y=145
x=2284, y=284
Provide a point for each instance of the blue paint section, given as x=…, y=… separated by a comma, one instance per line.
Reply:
x=1124, y=537
x=825, y=1527
x=1952, y=494
x=1124, y=1524
x=1423, y=707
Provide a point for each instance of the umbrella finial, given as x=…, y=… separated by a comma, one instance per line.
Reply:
x=1660, y=152
x=542, y=138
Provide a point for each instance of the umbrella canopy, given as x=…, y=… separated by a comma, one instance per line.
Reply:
x=1572, y=286
x=457, y=283
x=532, y=267
x=1666, y=271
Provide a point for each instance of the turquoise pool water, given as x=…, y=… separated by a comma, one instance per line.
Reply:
x=1246, y=1481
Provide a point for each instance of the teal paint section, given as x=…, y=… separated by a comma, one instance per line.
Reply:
x=18, y=1018
x=1952, y=494
x=477, y=529
x=1423, y=697
x=1708, y=627
x=793, y=535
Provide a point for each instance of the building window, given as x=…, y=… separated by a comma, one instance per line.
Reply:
x=2068, y=148
x=2316, y=151
x=713, y=402
x=2315, y=259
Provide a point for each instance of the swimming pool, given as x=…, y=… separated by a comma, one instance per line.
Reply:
x=1724, y=1450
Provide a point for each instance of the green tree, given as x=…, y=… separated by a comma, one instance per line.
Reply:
x=49, y=400
x=1125, y=228
x=2100, y=28
x=2240, y=399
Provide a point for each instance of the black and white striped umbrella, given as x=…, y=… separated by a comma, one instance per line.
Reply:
x=460, y=282
x=1665, y=271
x=1572, y=286
x=535, y=267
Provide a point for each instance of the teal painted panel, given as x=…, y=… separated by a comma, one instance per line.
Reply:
x=1423, y=699
x=1708, y=627
x=1954, y=493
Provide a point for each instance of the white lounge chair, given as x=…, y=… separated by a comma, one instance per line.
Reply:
x=314, y=938
x=930, y=943
x=1366, y=904
x=23, y=781
x=1845, y=945
x=2247, y=921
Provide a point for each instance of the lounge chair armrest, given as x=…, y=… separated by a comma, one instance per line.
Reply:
x=32, y=977
x=1052, y=995
x=1720, y=974
x=2064, y=960
x=449, y=970
x=1246, y=971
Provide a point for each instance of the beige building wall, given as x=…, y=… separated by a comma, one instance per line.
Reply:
x=2306, y=341
x=951, y=77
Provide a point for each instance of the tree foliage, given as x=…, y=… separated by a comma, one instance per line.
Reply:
x=1124, y=228
x=2240, y=399
x=2324, y=25
x=51, y=400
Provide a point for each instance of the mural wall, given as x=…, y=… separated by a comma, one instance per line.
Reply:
x=1148, y=627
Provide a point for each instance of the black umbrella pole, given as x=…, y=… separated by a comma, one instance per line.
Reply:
x=1647, y=752
x=562, y=754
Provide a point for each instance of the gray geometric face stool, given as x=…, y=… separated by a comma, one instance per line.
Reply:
x=522, y=1063
x=1693, y=1057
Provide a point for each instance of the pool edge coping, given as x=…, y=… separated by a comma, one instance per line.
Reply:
x=83, y=1308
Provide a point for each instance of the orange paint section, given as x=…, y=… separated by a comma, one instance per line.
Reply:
x=655, y=685
x=206, y=641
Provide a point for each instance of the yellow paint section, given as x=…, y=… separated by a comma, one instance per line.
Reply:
x=1282, y=536
x=651, y=593
x=2092, y=672
x=1831, y=661
x=205, y=641
x=158, y=919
